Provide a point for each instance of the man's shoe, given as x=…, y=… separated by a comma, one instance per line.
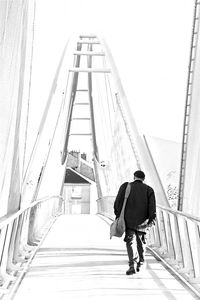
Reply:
x=139, y=264
x=138, y=267
x=130, y=271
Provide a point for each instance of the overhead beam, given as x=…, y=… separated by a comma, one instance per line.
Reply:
x=91, y=53
x=88, y=42
x=87, y=119
x=82, y=90
x=85, y=134
x=87, y=36
x=90, y=70
x=81, y=103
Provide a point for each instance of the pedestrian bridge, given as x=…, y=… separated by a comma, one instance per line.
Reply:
x=56, y=203
x=77, y=260
x=72, y=256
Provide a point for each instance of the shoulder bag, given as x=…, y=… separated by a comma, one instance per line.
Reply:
x=117, y=228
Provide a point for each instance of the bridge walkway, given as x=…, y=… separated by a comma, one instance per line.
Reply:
x=77, y=260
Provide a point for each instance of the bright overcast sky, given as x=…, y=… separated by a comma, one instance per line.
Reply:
x=150, y=43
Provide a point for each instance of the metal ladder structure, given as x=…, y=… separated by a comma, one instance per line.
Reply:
x=188, y=102
x=85, y=41
x=92, y=59
x=85, y=48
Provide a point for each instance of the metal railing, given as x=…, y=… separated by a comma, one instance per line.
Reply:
x=105, y=206
x=21, y=232
x=175, y=238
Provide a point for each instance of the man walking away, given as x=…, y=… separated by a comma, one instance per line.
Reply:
x=140, y=213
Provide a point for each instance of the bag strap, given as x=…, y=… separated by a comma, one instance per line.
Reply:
x=127, y=192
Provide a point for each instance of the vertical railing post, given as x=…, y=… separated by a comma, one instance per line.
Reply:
x=18, y=254
x=188, y=265
x=170, y=241
x=194, y=242
x=177, y=241
x=5, y=254
x=163, y=235
x=11, y=264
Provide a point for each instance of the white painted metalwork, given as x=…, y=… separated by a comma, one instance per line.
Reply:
x=89, y=53
x=108, y=106
x=175, y=238
x=189, y=170
x=118, y=149
x=17, y=242
x=89, y=42
x=90, y=70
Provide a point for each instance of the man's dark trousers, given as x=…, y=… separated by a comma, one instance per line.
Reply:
x=134, y=245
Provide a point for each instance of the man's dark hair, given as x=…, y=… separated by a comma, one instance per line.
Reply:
x=139, y=174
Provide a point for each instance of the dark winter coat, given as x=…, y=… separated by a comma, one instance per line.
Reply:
x=140, y=206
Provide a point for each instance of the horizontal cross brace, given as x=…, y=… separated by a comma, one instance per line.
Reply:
x=88, y=42
x=87, y=119
x=91, y=53
x=90, y=70
x=81, y=103
x=81, y=90
x=80, y=134
x=89, y=36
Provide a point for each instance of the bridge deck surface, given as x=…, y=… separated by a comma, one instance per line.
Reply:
x=77, y=260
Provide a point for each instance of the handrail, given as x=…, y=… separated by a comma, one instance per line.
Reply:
x=170, y=210
x=5, y=220
x=175, y=238
x=177, y=212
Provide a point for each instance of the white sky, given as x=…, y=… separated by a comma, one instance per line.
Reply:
x=150, y=43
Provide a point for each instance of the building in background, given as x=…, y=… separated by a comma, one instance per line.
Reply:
x=79, y=185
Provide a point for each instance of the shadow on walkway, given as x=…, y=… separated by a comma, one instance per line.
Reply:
x=79, y=261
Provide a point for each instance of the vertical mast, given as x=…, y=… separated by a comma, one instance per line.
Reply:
x=188, y=102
